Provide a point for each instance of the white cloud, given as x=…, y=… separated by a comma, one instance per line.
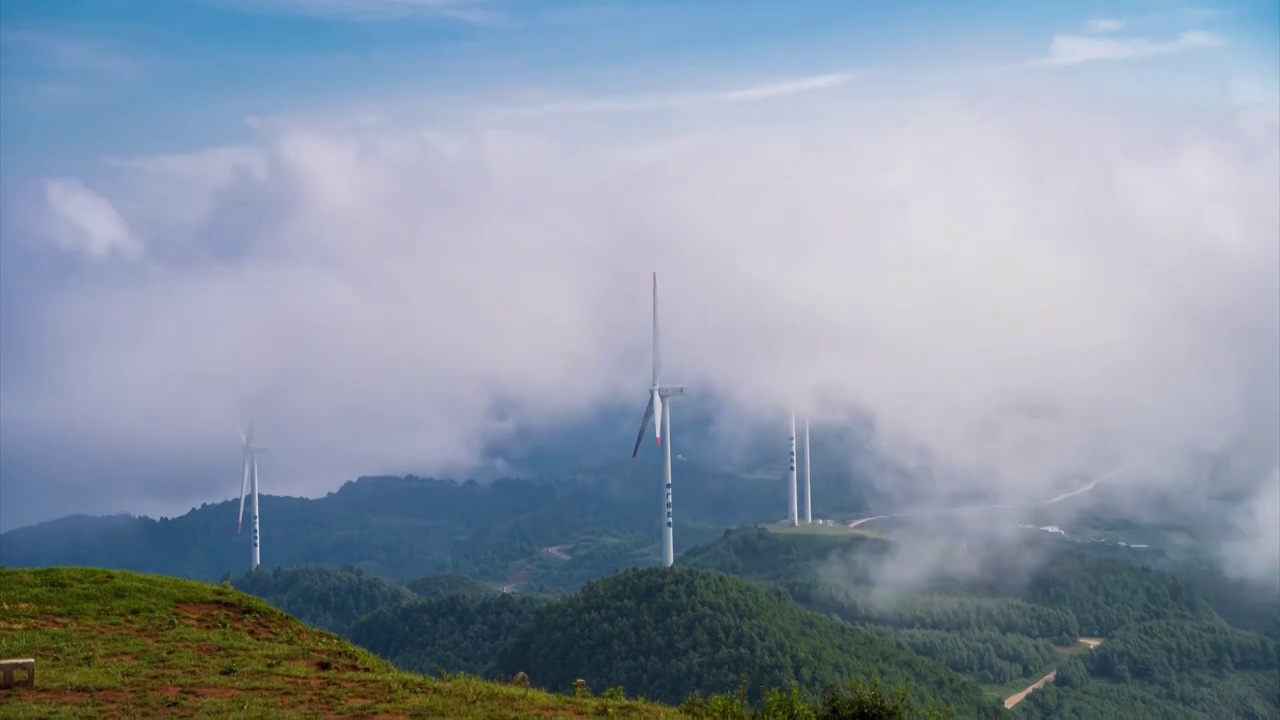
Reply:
x=1076, y=49
x=1256, y=553
x=84, y=222
x=782, y=89
x=1104, y=25
x=949, y=263
x=636, y=102
x=170, y=196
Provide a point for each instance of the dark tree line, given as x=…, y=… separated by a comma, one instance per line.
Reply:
x=665, y=633
x=328, y=598
x=931, y=611
x=1105, y=595
x=988, y=656
x=454, y=632
x=1166, y=648
x=448, y=584
x=1174, y=668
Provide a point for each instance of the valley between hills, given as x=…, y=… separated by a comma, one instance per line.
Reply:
x=412, y=572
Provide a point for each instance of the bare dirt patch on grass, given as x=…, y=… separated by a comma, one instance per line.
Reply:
x=52, y=695
x=218, y=692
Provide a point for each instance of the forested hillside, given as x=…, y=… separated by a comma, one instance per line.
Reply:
x=1167, y=669
x=448, y=584
x=404, y=528
x=328, y=598
x=464, y=626
x=666, y=633
x=1001, y=634
x=1006, y=628
x=452, y=632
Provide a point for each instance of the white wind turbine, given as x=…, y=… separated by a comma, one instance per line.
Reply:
x=808, y=489
x=250, y=473
x=793, y=513
x=661, y=413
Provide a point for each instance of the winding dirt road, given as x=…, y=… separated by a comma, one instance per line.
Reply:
x=856, y=523
x=1012, y=700
x=1016, y=698
x=558, y=551
x=1078, y=491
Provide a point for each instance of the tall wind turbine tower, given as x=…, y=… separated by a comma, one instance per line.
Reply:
x=661, y=413
x=808, y=489
x=791, y=475
x=250, y=474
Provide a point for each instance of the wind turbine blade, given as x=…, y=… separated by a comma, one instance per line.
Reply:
x=656, y=400
x=657, y=352
x=648, y=410
x=244, y=486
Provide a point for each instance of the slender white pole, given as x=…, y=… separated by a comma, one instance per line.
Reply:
x=257, y=557
x=794, y=515
x=668, y=539
x=808, y=489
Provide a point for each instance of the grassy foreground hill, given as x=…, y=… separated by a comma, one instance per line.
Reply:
x=120, y=644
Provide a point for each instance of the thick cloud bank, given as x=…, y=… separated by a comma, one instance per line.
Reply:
x=1018, y=290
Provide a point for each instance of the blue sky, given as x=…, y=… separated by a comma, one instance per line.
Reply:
x=84, y=78
x=391, y=231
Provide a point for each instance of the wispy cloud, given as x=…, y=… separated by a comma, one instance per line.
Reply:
x=782, y=89
x=657, y=101
x=84, y=222
x=1104, y=25
x=1076, y=49
x=469, y=11
x=70, y=54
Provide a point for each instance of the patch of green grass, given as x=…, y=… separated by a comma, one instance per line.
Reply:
x=110, y=643
x=1017, y=685
x=1000, y=691
x=1078, y=647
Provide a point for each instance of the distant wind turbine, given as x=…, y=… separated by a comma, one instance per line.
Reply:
x=250, y=474
x=661, y=413
x=808, y=489
x=793, y=510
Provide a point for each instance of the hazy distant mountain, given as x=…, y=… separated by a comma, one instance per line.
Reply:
x=402, y=528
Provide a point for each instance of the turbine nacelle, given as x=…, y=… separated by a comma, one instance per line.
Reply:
x=654, y=410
